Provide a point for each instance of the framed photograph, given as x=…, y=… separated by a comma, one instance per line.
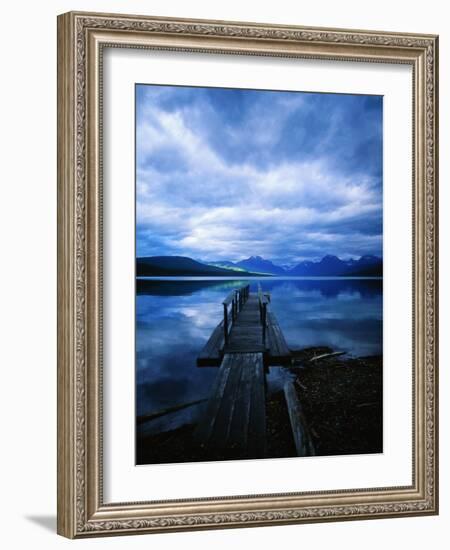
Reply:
x=247, y=274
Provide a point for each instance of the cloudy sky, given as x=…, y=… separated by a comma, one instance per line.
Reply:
x=223, y=174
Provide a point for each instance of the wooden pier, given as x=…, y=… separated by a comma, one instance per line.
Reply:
x=243, y=345
x=248, y=326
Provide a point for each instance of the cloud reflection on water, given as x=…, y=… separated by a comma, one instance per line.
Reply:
x=175, y=318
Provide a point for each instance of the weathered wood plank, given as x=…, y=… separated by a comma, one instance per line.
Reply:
x=239, y=420
x=234, y=421
x=219, y=434
x=279, y=352
x=302, y=440
x=211, y=354
x=205, y=427
x=257, y=421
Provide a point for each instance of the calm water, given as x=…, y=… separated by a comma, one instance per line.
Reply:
x=175, y=317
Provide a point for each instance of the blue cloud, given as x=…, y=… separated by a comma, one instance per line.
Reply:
x=225, y=173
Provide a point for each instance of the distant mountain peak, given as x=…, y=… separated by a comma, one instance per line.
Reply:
x=261, y=265
x=333, y=266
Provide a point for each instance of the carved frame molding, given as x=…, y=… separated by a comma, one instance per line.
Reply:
x=81, y=39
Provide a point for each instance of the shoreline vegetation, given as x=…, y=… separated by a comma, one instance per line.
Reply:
x=340, y=399
x=256, y=266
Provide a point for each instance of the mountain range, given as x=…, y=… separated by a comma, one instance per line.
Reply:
x=178, y=266
x=328, y=266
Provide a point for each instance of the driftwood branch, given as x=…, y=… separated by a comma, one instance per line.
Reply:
x=326, y=355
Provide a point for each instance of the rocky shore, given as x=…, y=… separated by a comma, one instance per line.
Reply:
x=342, y=400
x=342, y=404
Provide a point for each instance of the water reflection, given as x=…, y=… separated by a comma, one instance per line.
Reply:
x=174, y=319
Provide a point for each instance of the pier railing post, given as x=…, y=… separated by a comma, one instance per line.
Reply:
x=244, y=294
x=263, y=320
x=225, y=323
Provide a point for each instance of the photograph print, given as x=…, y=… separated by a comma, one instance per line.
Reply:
x=259, y=274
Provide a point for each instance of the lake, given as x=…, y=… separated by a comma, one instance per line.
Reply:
x=175, y=317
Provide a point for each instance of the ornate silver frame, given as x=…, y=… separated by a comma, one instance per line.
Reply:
x=81, y=37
